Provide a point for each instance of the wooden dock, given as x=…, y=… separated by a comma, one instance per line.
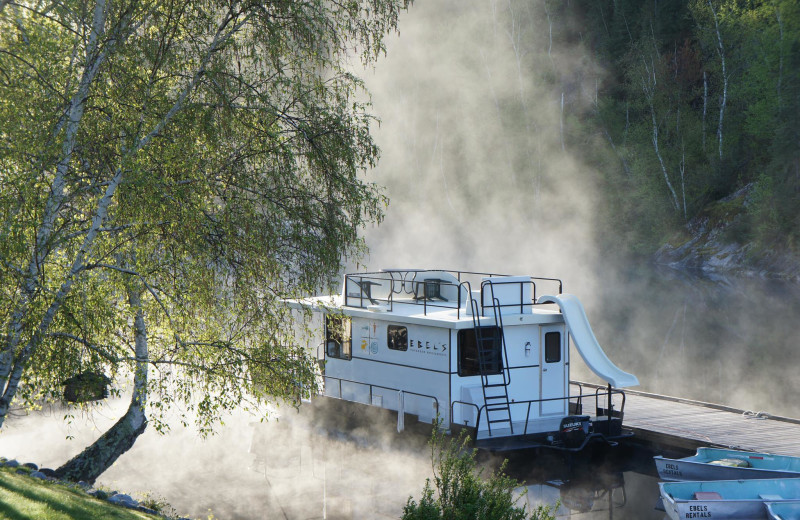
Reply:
x=668, y=422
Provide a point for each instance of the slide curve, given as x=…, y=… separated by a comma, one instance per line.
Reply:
x=586, y=342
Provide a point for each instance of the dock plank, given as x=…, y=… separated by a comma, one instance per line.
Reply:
x=681, y=423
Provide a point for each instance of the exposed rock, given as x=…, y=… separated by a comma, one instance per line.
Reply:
x=123, y=500
x=48, y=472
x=113, y=497
x=708, y=245
x=99, y=493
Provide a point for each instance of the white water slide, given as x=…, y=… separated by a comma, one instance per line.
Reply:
x=586, y=342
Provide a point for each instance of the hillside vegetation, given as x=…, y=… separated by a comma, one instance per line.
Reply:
x=701, y=98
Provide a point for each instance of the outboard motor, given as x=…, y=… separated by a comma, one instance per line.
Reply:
x=574, y=429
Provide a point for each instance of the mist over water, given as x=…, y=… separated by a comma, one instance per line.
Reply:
x=727, y=341
x=471, y=142
x=470, y=99
x=327, y=462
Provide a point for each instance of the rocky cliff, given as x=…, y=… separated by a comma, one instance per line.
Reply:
x=713, y=243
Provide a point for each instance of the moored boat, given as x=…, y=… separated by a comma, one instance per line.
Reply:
x=789, y=510
x=729, y=499
x=477, y=351
x=723, y=464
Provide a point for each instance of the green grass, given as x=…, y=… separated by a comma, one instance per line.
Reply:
x=27, y=498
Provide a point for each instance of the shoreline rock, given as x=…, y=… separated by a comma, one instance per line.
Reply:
x=32, y=470
x=706, y=246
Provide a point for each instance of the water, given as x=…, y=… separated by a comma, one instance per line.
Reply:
x=728, y=341
x=329, y=473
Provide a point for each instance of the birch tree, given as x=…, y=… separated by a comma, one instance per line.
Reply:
x=724, y=99
x=221, y=144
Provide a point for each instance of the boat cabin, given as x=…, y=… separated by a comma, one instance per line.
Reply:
x=483, y=351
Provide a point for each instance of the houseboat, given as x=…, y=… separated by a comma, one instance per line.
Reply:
x=481, y=351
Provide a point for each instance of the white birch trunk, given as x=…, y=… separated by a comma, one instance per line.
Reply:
x=100, y=455
x=562, y=123
x=724, y=100
x=780, y=58
x=705, y=108
x=683, y=182
x=648, y=88
x=674, y=195
x=13, y=363
x=52, y=206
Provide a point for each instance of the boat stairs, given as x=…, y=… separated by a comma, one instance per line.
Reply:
x=665, y=423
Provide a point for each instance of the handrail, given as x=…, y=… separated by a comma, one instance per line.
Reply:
x=481, y=409
x=468, y=288
x=371, y=386
x=608, y=393
x=498, y=316
x=404, y=281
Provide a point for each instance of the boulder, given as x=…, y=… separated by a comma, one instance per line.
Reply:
x=99, y=493
x=123, y=500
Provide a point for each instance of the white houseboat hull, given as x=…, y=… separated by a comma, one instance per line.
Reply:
x=472, y=350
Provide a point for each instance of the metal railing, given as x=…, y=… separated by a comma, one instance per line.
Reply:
x=600, y=411
x=376, y=288
x=372, y=386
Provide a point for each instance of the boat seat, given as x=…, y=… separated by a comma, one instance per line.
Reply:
x=769, y=497
x=706, y=495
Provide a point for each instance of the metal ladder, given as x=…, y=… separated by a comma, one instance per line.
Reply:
x=495, y=386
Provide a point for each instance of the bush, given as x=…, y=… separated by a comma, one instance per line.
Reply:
x=460, y=491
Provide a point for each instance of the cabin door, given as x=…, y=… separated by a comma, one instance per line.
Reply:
x=552, y=364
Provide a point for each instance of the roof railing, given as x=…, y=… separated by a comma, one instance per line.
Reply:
x=412, y=287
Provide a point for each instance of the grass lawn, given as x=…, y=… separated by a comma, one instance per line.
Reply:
x=26, y=498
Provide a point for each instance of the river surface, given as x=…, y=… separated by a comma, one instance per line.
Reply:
x=323, y=473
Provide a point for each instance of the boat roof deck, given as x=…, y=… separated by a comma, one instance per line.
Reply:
x=438, y=313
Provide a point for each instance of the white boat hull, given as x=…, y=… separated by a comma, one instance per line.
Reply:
x=735, y=499
x=679, y=469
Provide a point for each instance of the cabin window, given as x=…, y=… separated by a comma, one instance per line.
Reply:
x=338, y=337
x=469, y=364
x=552, y=347
x=398, y=337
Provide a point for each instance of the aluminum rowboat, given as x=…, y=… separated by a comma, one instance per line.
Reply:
x=722, y=464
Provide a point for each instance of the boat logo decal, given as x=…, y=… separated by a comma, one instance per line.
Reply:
x=427, y=347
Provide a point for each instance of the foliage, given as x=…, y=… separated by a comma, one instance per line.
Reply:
x=714, y=84
x=206, y=156
x=23, y=497
x=461, y=492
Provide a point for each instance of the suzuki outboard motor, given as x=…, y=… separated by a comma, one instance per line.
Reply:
x=574, y=429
